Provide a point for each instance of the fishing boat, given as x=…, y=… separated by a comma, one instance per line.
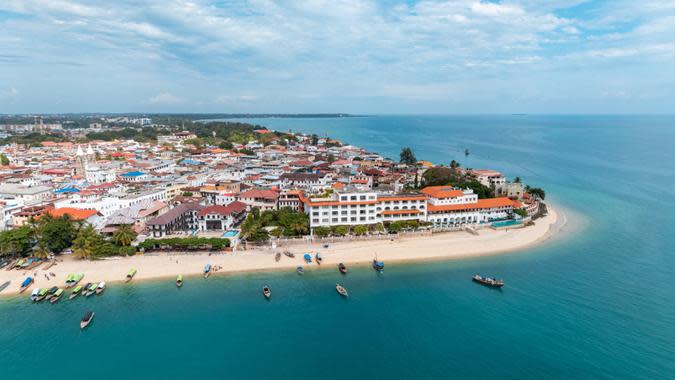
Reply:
x=19, y=264
x=341, y=289
x=131, y=274
x=277, y=257
x=91, y=289
x=12, y=265
x=179, y=281
x=342, y=268
x=34, y=295
x=25, y=284
x=300, y=270
x=5, y=285
x=86, y=320
x=42, y=294
x=57, y=296
x=267, y=292
x=69, y=280
x=289, y=254
x=73, y=279
x=207, y=270
x=488, y=281
x=3, y=263
x=100, y=288
x=308, y=258
x=51, y=292
x=378, y=265
x=76, y=292
x=318, y=258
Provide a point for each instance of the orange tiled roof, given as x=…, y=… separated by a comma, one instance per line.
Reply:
x=442, y=192
x=74, y=213
x=481, y=204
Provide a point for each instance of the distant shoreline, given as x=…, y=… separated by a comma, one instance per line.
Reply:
x=441, y=246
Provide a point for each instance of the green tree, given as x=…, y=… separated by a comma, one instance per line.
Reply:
x=517, y=180
x=407, y=156
x=360, y=230
x=315, y=139
x=124, y=235
x=521, y=212
x=16, y=241
x=454, y=164
x=321, y=231
x=341, y=230
x=536, y=192
x=4, y=160
x=54, y=234
x=86, y=243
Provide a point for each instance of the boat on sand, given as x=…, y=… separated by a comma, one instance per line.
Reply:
x=57, y=296
x=207, y=270
x=76, y=292
x=179, y=281
x=342, y=268
x=131, y=274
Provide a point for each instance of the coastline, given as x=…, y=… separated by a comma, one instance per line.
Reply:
x=442, y=246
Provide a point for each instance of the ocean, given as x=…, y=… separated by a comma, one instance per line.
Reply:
x=598, y=302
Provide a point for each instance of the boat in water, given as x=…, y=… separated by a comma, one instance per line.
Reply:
x=5, y=285
x=488, y=281
x=318, y=258
x=342, y=268
x=277, y=257
x=88, y=291
x=86, y=320
x=25, y=284
x=300, y=269
x=131, y=274
x=35, y=294
x=100, y=288
x=308, y=258
x=341, y=290
x=267, y=292
x=51, y=292
x=289, y=254
x=179, y=281
x=207, y=270
x=76, y=292
x=378, y=265
x=57, y=296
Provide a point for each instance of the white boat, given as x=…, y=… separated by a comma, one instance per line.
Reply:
x=340, y=289
x=100, y=288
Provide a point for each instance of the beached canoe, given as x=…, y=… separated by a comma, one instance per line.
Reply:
x=378, y=265
x=5, y=285
x=131, y=274
x=342, y=268
x=25, y=284
x=91, y=289
x=100, y=288
x=179, y=281
x=76, y=292
x=308, y=258
x=207, y=270
x=57, y=296
x=86, y=320
x=51, y=292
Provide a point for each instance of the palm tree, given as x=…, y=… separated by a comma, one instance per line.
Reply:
x=85, y=243
x=124, y=235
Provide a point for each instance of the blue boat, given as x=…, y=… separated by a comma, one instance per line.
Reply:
x=26, y=283
x=378, y=265
x=300, y=270
x=207, y=270
x=308, y=258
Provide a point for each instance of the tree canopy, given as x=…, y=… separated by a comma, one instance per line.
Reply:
x=407, y=156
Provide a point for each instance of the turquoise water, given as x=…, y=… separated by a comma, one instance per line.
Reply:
x=506, y=223
x=598, y=305
x=230, y=233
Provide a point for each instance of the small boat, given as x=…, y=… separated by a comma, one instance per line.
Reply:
x=378, y=265
x=207, y=270
x=300, y=270
x=277, y=257
x=100, y=288
x=289, y=254
x=76, y=292
x=341, y=289
x=42, y=294
x=57, y=296
x=86, y=320
x=267, y=292
x=51, y=292
x=3, y=263
x=5, y=285
x=342, y=268
x=69, y=280
x=179, y=281
x=488, y=281
x=318, y=258
x=91, y=289
x=131, y=274
x=308, y=258
x=34, y=295
x=25, y=284
x=73, y=279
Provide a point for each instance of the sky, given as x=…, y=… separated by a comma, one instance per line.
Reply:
x=324, y=56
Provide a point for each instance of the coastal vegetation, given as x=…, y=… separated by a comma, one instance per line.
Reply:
x=407, y=156
x=452, y=176
x=283, y=222
x=189, y=243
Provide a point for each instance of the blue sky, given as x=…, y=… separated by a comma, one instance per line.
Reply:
x=358, y=56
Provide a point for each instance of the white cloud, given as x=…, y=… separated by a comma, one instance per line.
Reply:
x=165, y=98
x=9, y=95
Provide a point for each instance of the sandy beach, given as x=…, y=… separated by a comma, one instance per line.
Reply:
x=441, y=246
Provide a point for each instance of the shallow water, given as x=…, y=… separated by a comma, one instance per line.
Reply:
x=596, y=305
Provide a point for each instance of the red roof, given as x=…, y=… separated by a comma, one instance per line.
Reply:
x=74, y=213
x=481, y=204
x=255, y=193
x=223, y=210
x=442, y=192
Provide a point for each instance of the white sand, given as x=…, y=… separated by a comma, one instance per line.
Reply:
x=451, y=245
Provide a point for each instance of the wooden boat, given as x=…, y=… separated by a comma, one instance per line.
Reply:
x=12, y=265
x=179, y=281
x=5, y=285
x=73, y=279
x=57, y=296
x=277, y=257
x=488, y=281
x=300, y=270
x=42, y=294
x=100, y=288
x=34, y=295
x=91, y=289
x=207, y=270
x=342, y=268
x=25, y=284
x=51, y=292
x=318, y=258
x=289, y=254
x=76, y=292
x=86, y=320
x=378, y=265
x=131, y=274
x=341, y=289
x=4, y=263
x=267, y=292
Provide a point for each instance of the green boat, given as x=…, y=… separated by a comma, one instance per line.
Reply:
x=90, y=290
x=76, y=292
x=131, y=274
x=179, y=280
x=57, y=296
x=77, y=278
x=42, y=294
x=19, y=263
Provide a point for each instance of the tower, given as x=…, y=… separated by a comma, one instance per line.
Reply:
x=81, y=162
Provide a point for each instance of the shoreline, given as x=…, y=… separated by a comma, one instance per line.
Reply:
x=442, y=246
